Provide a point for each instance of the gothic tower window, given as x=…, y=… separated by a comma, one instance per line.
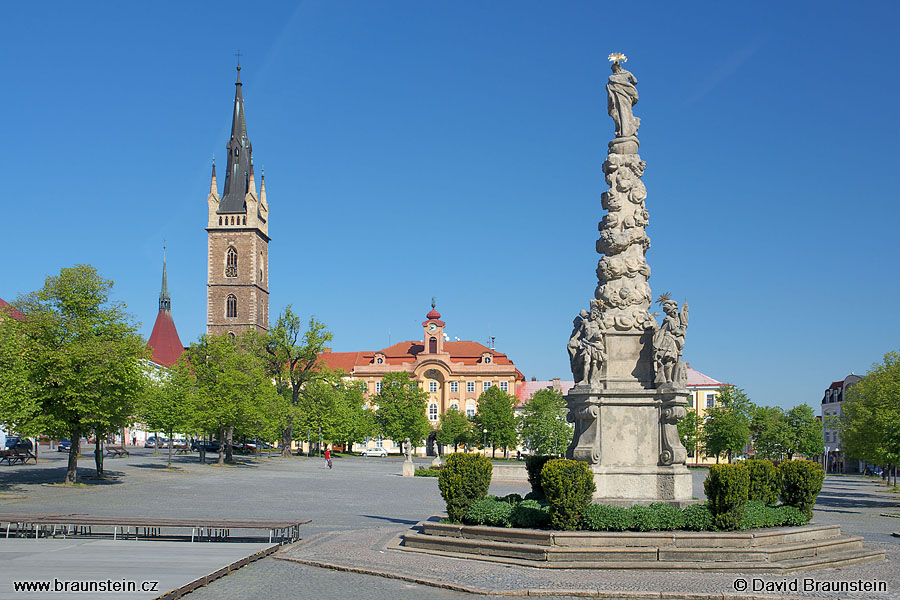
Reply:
x=231, y=306
x=231, y=262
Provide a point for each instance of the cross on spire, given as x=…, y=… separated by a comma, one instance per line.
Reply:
x=238, y=54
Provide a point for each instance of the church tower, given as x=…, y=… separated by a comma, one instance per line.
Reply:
x=237, y=288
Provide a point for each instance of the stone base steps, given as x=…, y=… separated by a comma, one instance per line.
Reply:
x=780, y=550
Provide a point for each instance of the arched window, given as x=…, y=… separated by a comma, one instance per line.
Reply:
x=432, y=345
x=470, y=409
x=231, y=306
x=432, y=412
x=231, y=334
x=220, y=220
x=454, y=406
x=244, y=219
x=231, y=262
x=262, y=268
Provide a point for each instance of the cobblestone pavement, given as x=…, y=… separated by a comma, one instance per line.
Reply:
x=362, y=504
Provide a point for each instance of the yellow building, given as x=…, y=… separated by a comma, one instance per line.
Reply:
x=704, y=395
x=453, y=374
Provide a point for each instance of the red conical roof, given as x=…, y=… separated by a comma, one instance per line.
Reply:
x=164, y=341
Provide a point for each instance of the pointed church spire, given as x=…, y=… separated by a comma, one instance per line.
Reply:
x=213, y=186
x=262, y=187
x=165, y=302
x=240, y=151
x=251, y=181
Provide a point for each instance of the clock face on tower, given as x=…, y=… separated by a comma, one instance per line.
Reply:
x=432, y=327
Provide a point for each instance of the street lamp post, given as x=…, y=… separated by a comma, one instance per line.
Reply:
x=484, y=443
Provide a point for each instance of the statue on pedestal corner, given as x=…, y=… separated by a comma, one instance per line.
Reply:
x=668, y=343
x=587, y=349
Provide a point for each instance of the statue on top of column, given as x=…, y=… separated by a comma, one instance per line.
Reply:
x=621, y=95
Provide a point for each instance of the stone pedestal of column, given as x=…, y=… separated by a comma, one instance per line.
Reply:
x=409, y=468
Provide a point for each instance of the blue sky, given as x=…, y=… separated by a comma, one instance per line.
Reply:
x=453, y=149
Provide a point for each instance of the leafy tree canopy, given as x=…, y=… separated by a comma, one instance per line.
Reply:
x=401, y=409
x=543, y=424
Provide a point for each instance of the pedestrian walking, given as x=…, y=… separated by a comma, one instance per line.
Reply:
x=328, y=457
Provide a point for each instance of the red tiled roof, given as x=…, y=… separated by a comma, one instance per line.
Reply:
x=6, y=306
x=164, y=341
x=697, y=379
x=525, y=391
x=468, y=353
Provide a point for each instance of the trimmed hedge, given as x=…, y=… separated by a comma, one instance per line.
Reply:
x=568, y=485
x=464, y=478
x=489, y=511
x=599, y=517
x=498, y=512
x=530, y=513
x=765, y=482
x=534, y=465
x=801, y=482
x=426, y=472
x=727, y=488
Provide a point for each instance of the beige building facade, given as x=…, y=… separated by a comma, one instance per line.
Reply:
x=453, y=374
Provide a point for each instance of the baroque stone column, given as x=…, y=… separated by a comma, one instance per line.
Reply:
x=629, y=380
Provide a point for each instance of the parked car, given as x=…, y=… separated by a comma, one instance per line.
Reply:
x=64, y=445
x=151, y=442
x=374, y=452
x=212, y=446
x=19, y=443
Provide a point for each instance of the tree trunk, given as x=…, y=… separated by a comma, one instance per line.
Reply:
x=287, y=436
x=229, y=448
x=221, y=460
x=170, y=450
x=74, y=449
x=493, y=451
x=98, y=456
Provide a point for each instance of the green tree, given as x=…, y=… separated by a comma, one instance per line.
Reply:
x=454, y=429
x=870, y=421
x=164, y=405
x=495, y=414
x=805, y=435
x=227, y=380
x=543, y=424
x=401, y=409
x=769, y=432
x=688, y=431
x=727, y=426
x=77, y=357
x=292, y=357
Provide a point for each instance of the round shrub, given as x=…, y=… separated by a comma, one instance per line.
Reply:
x=464, y=478
x=568, y=485
x=512, y=498
x=487, y=511
x=727, y=487
x=530, y=513
x=668, y=517
x=765, y=482
x=534, y=465
x=801, y=482
x=697, y=517
x=600, y=517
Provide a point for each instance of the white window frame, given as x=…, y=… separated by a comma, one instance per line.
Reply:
x=504, y=385
x=454, y=387
x=470, y=387
x=485, y=386
x=433, y=412
x=454, y=406
x=471, y=411
x=377, y=387
x=433, y=387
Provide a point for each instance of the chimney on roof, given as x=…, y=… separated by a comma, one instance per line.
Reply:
x=326, y=349
x=555, y=384
x=533, y=378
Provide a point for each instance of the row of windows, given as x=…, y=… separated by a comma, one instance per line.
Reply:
x=240, y=221
x=454, y=386
x=433, y=410
x=710, y=400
